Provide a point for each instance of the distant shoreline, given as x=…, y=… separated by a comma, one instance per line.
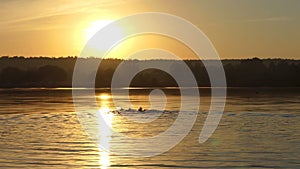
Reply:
x=92, y=57
x=45, y=72
x=136, y=88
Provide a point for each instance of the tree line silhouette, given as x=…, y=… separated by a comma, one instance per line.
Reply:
x=58, y=72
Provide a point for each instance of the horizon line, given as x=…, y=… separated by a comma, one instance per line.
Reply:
x=155, y=59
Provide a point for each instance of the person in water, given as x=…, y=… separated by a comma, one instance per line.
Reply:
x=141, y=109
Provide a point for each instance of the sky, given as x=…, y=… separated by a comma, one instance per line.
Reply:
x=237, y=28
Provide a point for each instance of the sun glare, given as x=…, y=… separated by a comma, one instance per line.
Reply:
x=93, y=48
x=105, y=124
x=104, y=96
x=94, y=27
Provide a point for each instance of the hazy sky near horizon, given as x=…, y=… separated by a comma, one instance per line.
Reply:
x=237, y=28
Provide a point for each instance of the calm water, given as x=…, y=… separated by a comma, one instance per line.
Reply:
x=259, y=129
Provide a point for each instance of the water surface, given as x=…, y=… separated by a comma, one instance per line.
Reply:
x=259, y=129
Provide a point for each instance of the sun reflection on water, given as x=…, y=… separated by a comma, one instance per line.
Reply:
x=105, y=123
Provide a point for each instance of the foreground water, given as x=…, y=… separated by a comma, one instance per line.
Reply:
x=259, y=129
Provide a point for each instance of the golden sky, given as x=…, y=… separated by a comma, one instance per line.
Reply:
x=238, y=29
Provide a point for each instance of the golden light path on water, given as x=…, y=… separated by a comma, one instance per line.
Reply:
x=105, y=133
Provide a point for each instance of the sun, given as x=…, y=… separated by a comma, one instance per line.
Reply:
x=92, y=46
x=94, y=27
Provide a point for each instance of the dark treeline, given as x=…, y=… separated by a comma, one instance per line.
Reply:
x=58, y=72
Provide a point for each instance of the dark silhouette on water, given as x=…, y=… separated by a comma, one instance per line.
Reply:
x=141, y=109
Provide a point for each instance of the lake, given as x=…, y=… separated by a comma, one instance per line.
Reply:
x=39, y=128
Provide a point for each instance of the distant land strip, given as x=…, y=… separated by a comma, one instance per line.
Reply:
x=19, y=71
